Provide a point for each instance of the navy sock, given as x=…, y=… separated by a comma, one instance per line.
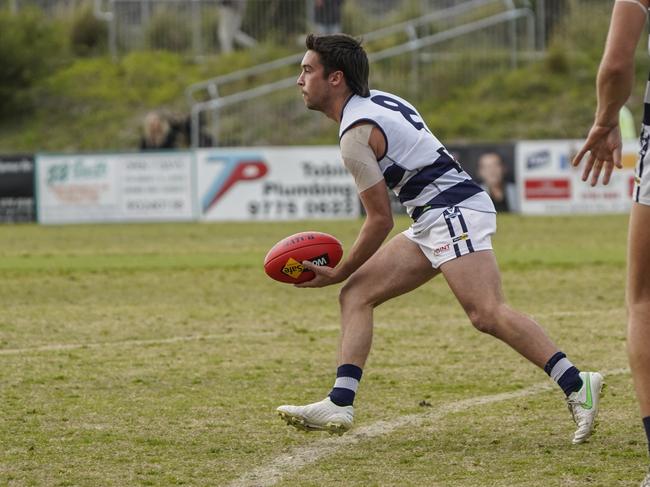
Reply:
x=564, y=373
x=345, y=387
x=646, y=425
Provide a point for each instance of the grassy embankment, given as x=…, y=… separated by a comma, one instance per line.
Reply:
x=92, y=103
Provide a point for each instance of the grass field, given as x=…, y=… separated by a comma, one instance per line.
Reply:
x=156, y=355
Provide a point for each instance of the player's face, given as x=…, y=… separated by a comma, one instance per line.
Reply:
x=490, y=169
x=313, y=83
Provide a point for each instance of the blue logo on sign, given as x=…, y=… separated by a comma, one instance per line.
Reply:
x=538, y=160
x=237, y=169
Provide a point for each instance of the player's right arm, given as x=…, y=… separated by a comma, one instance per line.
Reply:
x=361, y=147
x=614, y=86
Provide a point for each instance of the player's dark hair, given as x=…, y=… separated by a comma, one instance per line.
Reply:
x=341, y=52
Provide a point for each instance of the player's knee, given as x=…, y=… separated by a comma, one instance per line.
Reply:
x=485, y=320
x=638, y=306
x=346, y=295
x=352, y=294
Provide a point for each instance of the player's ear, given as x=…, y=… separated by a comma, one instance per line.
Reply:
x=336, y=77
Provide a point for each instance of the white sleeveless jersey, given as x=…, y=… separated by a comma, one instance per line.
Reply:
x=416, y=166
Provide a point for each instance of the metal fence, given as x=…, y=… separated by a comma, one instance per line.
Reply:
x=420, y=49
x=204, y=27
x=207, y=27
x=423, y=59
x=194, y=26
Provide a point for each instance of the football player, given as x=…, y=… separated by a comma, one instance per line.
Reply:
x=614, y=86
x=385, y=142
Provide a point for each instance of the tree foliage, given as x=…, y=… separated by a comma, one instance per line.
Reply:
x=30, y=48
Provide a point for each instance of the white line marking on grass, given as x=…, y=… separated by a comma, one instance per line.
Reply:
x=62, y=347
x=58, y=347
x=304, y=455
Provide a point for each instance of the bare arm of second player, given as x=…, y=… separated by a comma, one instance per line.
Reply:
x=614, y=86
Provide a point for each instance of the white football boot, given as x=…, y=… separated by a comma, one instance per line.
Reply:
x=583, y=405
x=319, y=416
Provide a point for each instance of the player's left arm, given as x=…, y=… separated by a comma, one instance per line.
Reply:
x=361, y=160
x=614, y=86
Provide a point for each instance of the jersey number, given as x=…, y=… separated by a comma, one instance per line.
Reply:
x=396, y=106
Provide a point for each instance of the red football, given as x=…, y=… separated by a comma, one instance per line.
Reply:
x=284, y=261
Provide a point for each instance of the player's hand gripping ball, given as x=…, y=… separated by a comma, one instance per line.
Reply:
x=284, y=261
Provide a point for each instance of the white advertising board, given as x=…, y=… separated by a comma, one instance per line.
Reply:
x=549, y=184
x=274, y=184
x=115, y=187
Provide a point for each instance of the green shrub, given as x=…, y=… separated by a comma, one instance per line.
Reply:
x=210, y=30
x=30, y=48
x=88, y=34
x=275, y=19
x=169, y=31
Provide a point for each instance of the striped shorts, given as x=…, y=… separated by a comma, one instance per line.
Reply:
x=458, y=231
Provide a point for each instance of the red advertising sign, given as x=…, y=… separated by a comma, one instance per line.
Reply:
x=547, y=189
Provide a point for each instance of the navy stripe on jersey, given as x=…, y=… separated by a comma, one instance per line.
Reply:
x=646, y=114
x=428, y=174
x=450, y=197
x=393, y=175
x=463, y=225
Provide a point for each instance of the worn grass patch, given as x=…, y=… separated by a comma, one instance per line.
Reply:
x=156, y=355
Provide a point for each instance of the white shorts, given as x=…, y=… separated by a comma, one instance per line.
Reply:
x=458, y=231
x=641, y=192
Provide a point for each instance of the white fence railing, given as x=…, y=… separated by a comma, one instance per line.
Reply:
x=449, y=37
x=206, y=27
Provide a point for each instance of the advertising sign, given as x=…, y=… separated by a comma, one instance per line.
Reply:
x=17, y=188
x=549, y=184
x=275, y=184
x=115, y=187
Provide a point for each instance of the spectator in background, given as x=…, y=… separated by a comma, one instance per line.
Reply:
x=231, y=14
x=327, y=16
x=163, y=130
x=157, y=132
x=491, y=172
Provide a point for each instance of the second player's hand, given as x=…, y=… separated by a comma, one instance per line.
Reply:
x=325, y=276
x=604, y=145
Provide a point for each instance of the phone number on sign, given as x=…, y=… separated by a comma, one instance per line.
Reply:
x=279, y=208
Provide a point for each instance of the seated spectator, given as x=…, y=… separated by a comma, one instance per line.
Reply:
x=157, y=133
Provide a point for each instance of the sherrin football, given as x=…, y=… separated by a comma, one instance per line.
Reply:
x=284, y=261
